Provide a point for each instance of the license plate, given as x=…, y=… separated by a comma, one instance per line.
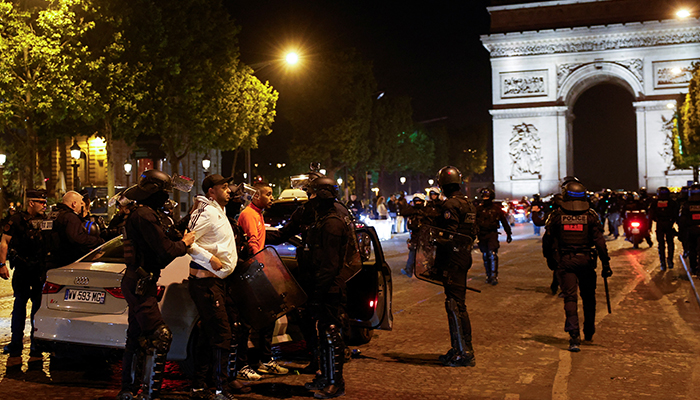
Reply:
x=85, y=296
x=635, y=231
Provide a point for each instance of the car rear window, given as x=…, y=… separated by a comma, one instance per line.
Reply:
x=111, y=252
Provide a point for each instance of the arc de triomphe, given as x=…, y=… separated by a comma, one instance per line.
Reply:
x=538, y=73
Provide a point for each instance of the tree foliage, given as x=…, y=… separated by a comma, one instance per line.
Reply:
x=686, y=127
x=332, y=111
x=41, y=81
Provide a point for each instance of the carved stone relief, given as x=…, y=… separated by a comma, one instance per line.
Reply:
x=525, y=151
x=673, y=73
x=666, y=152
x=524, y=83
x=634, y=65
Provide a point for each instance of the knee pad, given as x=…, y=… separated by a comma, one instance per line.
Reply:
x=161, y=338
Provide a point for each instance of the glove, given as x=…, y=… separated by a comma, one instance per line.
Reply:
x=551, y=264
x=607, y=272
x=509, y=239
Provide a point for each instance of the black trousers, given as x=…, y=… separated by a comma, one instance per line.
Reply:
x=144, y=313
x=27, y=284
x=576, y=273
x=456, y=288
x=664, y=238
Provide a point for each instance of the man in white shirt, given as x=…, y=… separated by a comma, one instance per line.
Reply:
x=214, y=257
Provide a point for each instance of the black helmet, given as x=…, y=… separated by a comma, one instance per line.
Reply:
x=574, y=197
x=536, y=197
x=448, y=175
x=152, y=181
x=694, y=192
x=304, y=180
x=568, y=179
x=663, y=193
x=486, y=194
x=324, y=187
x=643, y=191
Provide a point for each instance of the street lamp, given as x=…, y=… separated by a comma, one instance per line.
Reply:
x=403, y=180
x=683, y=13
x=75, y=155
x=431, y=181
x=340, y=181
x=3, y=158
x=206, y=163
x=127, y=170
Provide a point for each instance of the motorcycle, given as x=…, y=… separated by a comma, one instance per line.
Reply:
x=636, y=227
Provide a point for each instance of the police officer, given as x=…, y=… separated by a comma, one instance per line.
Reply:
x=22, y=244
x=455, y=258
x=571, y=233
x=147, y=250
x=689, y=225
x=69, y=240
x=488, y=216
x=664, y=211
x=329, y=241
x=414, y=222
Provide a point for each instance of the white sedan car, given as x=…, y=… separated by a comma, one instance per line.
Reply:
x=83, y=309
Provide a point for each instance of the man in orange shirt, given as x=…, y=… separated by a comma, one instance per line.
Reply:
x=251, y=220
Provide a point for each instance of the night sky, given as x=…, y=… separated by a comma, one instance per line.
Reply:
x=429, y=51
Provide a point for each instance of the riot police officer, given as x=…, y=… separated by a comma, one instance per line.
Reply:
x=454, y=257
x=329, y=241
x=689, y=225
x=147, y=250
x=488, y=216
x=415, y=220
x=23, y=246
x=664, y=211
x=572, y=232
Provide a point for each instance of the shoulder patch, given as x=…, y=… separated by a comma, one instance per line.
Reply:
x=447, y=215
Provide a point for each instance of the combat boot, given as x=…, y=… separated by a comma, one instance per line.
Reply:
x=662, y=264
x=574, y=342
x=334, y=359
x=448, y=356
x=670, y=263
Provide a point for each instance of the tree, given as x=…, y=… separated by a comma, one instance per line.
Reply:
x=391, y=124
x=43, y=53
x=468, y=150
x=331, y=112
x=686, y=134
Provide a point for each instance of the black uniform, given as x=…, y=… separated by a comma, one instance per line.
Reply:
x=488, y=217
x=568, y=247
x=414, y=222
x=27, y=257
x=689, y=226
x=73, y=239
x=665, y=213
x=147, y=250
x=458, y=215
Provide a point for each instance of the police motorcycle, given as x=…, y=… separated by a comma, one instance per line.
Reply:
x=636, y=222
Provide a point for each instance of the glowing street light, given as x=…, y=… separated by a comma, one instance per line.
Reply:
x=683, y=13
x=127, y=170
x=75, y=152
x=206, y=163
x=340, y=181
x=431, y=181
x=292, y=58
x=403, y=180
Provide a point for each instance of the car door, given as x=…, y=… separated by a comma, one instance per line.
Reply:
x=370, y=290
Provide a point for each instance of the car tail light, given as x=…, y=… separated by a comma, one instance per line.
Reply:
x=115, y=291
x=635, y=224
x=50, y=287
x=373, y=303
x=160, y=292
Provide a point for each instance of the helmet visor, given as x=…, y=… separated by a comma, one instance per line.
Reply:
x=299, y=181
x=182, y=183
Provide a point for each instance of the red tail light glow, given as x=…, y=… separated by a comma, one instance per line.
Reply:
x=160, y=292
x=50, y=287
x=635, y=224
x=115, y=291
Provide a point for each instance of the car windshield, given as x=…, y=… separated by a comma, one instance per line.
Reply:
x=111, y=252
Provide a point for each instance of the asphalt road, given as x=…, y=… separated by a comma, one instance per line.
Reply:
x=647, y=348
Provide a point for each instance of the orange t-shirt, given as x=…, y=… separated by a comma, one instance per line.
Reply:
x=251, y=220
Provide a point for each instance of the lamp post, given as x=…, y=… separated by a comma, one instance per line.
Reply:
x=127, y=170
x=431, y=182
x=3, y=158
x=75, y=155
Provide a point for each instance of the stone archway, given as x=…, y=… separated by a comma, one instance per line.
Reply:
x=539, y=73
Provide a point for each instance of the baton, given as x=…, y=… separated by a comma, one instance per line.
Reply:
x=473, y=290
x=607, y=294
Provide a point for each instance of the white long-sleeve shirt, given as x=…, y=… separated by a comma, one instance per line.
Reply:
x=213, y=237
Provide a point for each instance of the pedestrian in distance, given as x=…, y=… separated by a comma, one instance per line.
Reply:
x=689, y=226
x=251, y=220
x=488, y=216
x=23, y=245
x=571, y=244
x=414, y=221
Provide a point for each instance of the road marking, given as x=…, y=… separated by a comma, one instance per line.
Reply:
x=560, y=387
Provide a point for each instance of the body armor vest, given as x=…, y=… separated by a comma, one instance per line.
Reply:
x=574, y=232
x=352, y=263
x=665, y=210
x=694, y=208
x=488, y=216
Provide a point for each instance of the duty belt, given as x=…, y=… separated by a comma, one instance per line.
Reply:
x=575, y=251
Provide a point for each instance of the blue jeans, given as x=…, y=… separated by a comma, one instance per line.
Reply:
x=410, y=262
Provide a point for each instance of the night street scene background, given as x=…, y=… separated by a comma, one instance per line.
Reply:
x=516, y=94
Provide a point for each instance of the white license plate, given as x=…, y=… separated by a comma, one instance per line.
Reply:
x=635, y=231
x=85, y=296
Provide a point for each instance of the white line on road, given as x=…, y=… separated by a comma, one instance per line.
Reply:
x=560, y=387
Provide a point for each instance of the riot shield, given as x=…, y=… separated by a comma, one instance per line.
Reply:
x=264, y=289
x=426, y=252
